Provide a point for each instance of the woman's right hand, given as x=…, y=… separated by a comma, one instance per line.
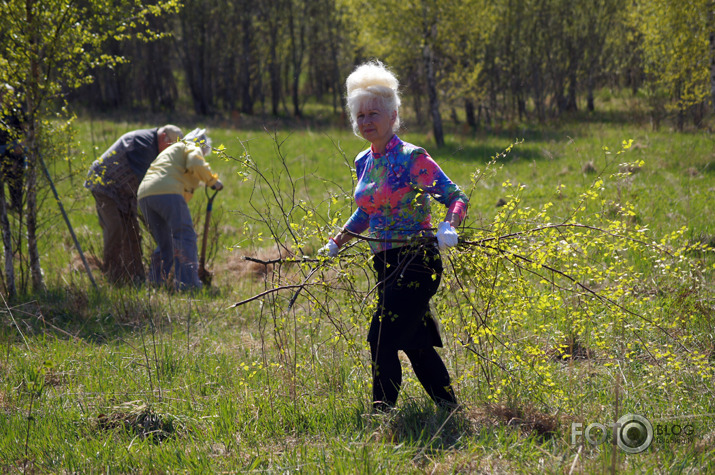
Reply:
x=218, y=186
x=330, y=249
x=446, y=235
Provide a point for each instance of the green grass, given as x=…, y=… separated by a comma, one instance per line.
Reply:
x=124, y=380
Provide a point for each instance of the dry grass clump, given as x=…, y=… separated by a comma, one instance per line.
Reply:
x=588, y=168
x=139, y=419
x=5, y=403
x=255, y=264
x=77, y=265
x=528, y=419
x=706, y=443
x=629, y=168
x=55, y=378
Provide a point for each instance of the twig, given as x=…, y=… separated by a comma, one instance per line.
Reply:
x=267, y=292
x=575, y=459
x=302, y=285
x=279, y=260
x=12, y=317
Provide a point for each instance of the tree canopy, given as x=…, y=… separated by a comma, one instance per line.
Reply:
x=495, y=59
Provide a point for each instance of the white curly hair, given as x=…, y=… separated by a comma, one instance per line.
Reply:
x=199, y=137
x=372, y=81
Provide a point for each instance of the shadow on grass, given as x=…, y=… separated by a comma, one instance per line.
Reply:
x=423, y=426
x=482, y=146
x=483, y=154
x=77, y=313
x=430, y=430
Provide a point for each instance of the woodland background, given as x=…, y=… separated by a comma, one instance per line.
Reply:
x=481, y=61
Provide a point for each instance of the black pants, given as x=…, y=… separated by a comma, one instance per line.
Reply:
x=428, y=367
x=407, y=280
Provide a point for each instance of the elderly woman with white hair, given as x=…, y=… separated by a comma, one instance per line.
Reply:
x=395, y=182
x=163, y=196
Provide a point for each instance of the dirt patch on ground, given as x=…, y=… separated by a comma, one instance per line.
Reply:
x=256, y=264
x=528, y=419
x=95, y=263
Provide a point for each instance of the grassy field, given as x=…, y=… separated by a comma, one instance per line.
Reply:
x=582, y=292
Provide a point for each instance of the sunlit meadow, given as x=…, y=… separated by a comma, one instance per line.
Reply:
x=581, y=291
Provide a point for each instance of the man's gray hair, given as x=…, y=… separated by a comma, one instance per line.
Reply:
x=173, y=132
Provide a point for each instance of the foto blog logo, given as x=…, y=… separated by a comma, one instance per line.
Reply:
x=632, y=433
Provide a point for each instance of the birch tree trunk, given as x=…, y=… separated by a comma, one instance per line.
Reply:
x=38, y=283
x=428, y=57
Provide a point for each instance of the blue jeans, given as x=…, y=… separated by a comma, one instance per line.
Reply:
x=171, y=226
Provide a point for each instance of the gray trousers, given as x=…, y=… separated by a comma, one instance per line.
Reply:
x=170, y=223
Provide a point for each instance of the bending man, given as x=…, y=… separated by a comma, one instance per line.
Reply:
x=114, y=180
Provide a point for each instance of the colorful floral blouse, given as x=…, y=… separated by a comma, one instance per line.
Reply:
x=393, y=190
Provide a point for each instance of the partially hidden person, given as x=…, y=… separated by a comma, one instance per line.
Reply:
x=114, y=180
x=12, y=149
x=396, y=182
x=164, y=194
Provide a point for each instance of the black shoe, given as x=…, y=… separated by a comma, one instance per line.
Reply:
x=382, y=407
x=450, y=405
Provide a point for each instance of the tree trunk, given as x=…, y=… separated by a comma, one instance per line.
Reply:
x=274, y=74
x=415, y=88
x=33, y=93
x=428, y=57
x=335, y=68
x=469, y=112
x=38, y=283
x=246, y=65
x=192, y=49
x=521, y=106
x=538, y=95
x=297, y=46
x=571, y=104
x=712, y=58
x=270, y=13
x=589, y=99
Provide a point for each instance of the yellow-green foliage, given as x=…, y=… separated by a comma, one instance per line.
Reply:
x=524, y=295
x=675, y=46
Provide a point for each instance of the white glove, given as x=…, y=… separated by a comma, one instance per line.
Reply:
x=446, y=235
x=330, y=250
